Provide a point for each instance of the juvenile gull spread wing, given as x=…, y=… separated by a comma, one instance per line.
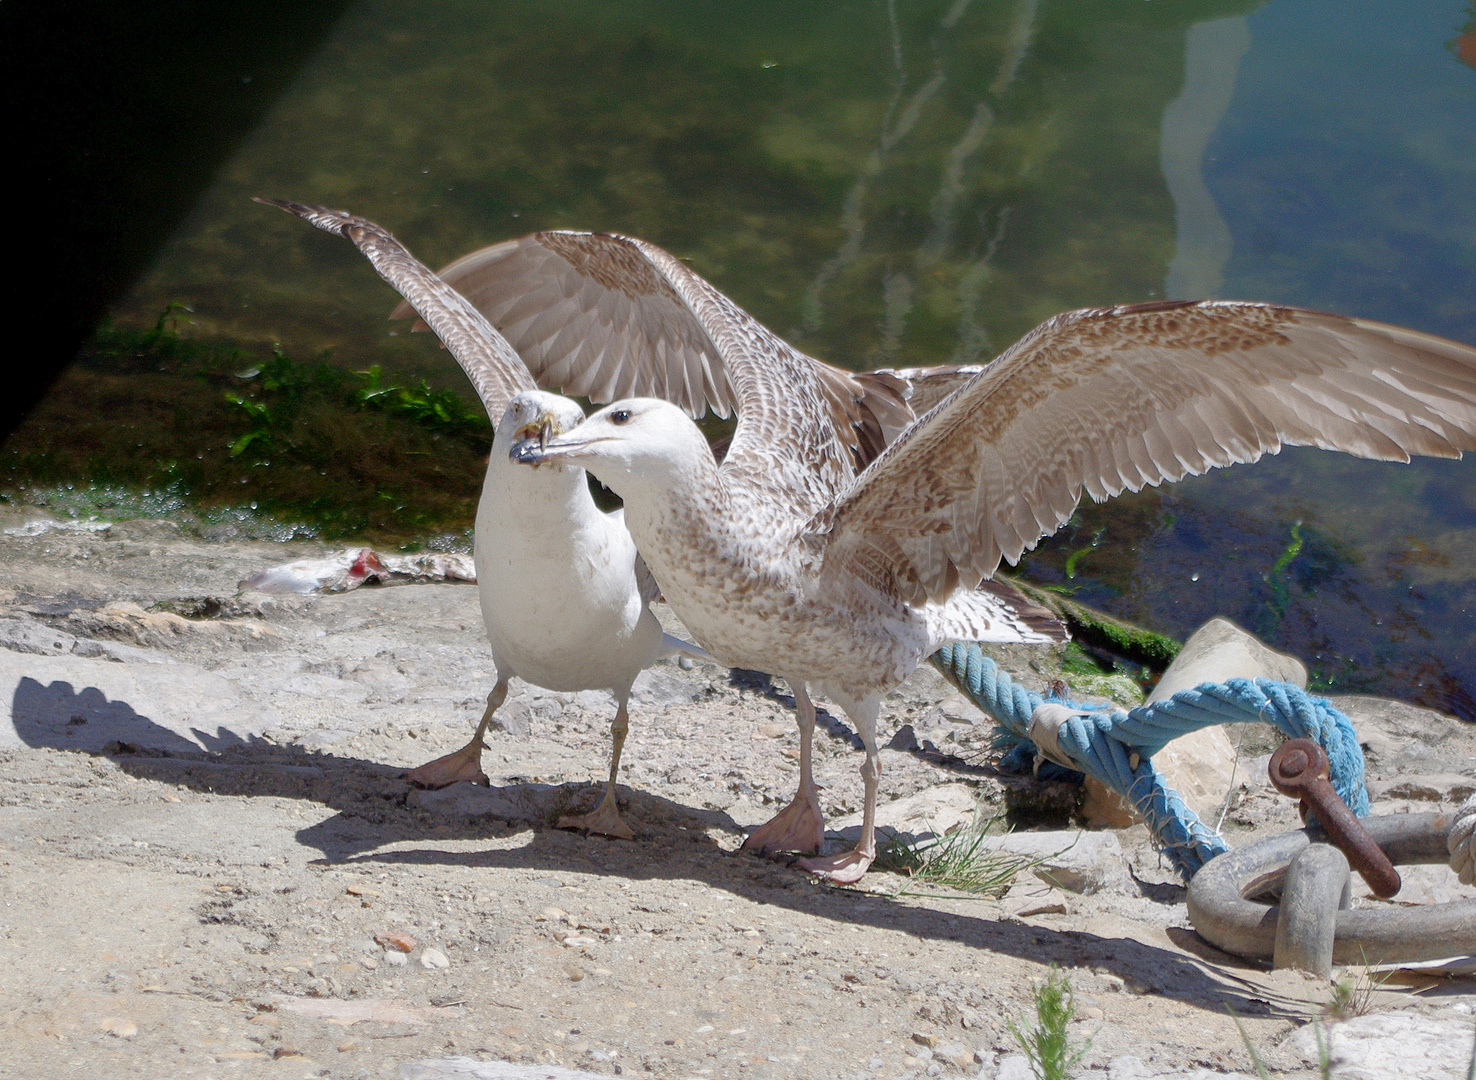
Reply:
x=590, y=314
x=609, y=316
x=1107, y=400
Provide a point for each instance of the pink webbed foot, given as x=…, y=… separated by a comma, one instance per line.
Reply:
x=800, y=826
x=464, y=764
x=603, y=820
x=845, y=869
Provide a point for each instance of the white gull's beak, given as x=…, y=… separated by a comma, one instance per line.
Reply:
x=541, y=448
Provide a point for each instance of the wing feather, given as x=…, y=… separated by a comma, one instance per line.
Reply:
x=1112, y=399
x=609, y=316
x=495, y=370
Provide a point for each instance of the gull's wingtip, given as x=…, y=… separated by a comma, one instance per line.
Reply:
x=300, y=209
x=329, y=220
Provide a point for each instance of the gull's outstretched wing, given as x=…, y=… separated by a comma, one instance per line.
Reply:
x=1111, y=399
x=609, y=317
x=488, y=360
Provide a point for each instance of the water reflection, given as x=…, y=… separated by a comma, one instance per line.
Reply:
x=919, y=182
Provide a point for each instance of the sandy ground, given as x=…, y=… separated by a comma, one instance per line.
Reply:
x=203, y=830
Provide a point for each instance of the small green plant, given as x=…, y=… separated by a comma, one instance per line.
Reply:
x=1080, y=553
x=260, y=415
x=420, y=402
x=959, y=860
x=1352, y=995
x=1276, y=578
x=248, y=441
x=1047, y=1043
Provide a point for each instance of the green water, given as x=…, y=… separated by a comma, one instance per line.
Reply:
x=922, y=182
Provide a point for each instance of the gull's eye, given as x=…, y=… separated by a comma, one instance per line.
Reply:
x=620, y=416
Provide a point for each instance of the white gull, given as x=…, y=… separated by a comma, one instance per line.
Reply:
x=565, y=598
x=779, y=560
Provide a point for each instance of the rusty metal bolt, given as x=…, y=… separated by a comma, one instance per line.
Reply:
x=1300, y=768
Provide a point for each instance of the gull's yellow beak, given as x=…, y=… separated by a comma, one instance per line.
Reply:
x=542, y=429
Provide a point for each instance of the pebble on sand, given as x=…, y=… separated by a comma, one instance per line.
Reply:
x=120, y=1026
x=433, y=958
x=402, y=942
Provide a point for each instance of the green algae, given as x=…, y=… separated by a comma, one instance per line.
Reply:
x=152, y=423
x=1152, y=650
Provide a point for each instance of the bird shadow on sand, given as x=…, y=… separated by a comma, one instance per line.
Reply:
x=379, y=819
x=1198, y=976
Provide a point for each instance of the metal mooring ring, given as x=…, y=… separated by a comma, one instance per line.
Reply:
x=1225, y=912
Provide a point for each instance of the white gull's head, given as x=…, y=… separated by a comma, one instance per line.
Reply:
x=535, y=414
x=638, y=441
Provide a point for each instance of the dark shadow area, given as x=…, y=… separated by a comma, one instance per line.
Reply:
x=120, y=114
x=1160, y=892
x=62, y=717
x=374, y=807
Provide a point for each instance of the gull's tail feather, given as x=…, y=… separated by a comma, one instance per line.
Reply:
x=995, y=611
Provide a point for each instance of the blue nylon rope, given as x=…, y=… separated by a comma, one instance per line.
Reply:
x=1104, y=743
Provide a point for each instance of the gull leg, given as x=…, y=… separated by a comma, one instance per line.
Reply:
x=605, y=819
x=800, y=826
x=849, y=867
x=466, y=763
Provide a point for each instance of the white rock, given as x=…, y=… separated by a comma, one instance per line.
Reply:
x=931, y=812
x=30, y=636
x=1201, y=764
x=1079, y=862
x=1393, y=1046
x=661, y=686
x=327, y=687
x=395, y=958
x=40, y=526
x=72, y=703
x=1129, y=1067
x=463, y=1068
x=1220, y=650
x=1012, y=1067
x=1032, y=898
x=1426, y=787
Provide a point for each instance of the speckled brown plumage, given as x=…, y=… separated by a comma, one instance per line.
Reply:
x=1112, y=399
x=777, y=560
x=608, y=316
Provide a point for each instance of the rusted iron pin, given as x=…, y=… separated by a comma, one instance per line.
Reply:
x=1300, y=768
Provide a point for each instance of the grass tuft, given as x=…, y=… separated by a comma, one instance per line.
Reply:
x=1352, y=995
x=959, y=860
x=282, y=443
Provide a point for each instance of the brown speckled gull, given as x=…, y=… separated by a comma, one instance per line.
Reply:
x=779, y=560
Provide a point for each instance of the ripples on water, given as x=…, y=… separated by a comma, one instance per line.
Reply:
x=911, y=183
